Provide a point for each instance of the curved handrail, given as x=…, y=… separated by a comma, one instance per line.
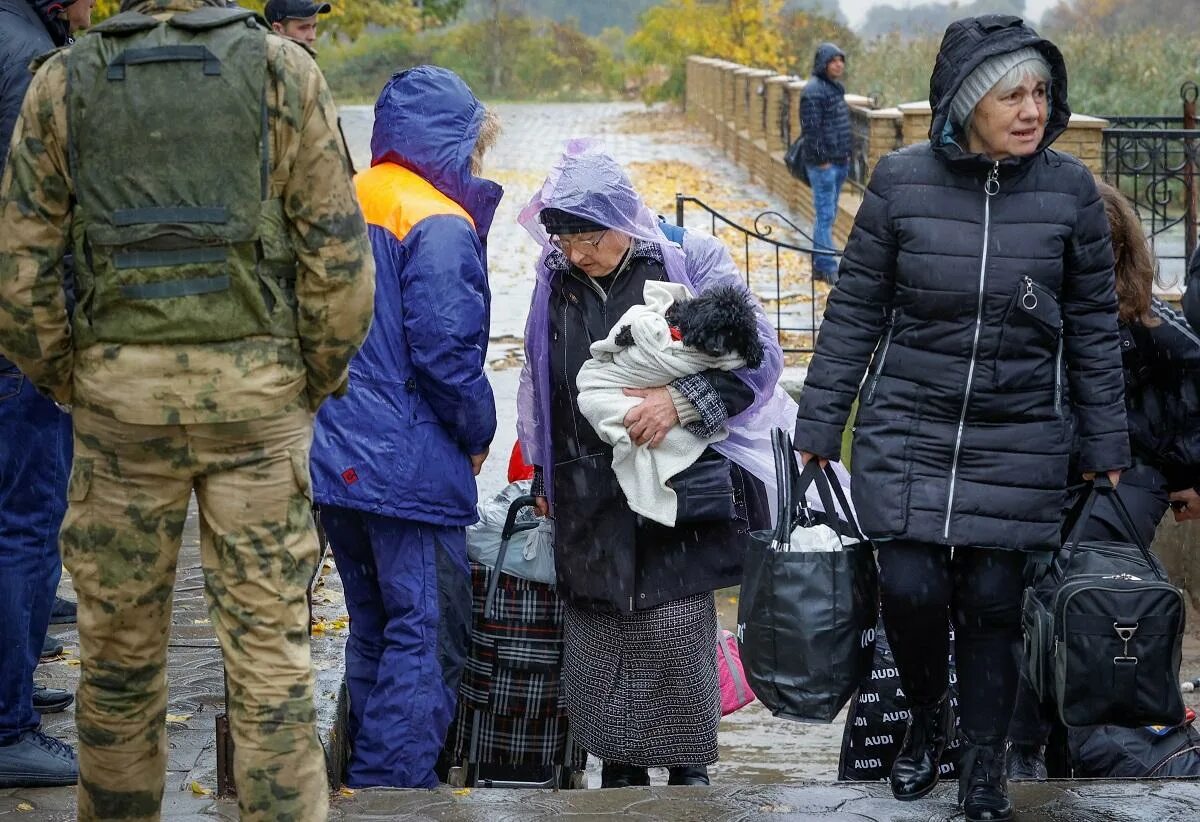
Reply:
x=759, y=231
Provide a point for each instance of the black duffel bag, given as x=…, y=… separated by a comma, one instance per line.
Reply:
x=806, y=619
x=1104, y=630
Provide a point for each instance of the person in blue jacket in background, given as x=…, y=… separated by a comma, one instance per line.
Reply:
x=393, y=463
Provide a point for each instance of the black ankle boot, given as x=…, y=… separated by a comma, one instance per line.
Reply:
x=688, y=775
x=1025, y=762
x=623, y=775
x=982, y=784
x=915, y=771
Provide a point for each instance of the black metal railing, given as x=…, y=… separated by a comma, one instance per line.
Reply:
x=860, y=141
x=1153, y=160
x=785, y=118
x=778, y=271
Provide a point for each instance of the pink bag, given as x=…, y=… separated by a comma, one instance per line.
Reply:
x=735, y=690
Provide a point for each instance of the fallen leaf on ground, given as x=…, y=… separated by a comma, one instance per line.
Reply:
x=463, y=792
x=72, y=661
x=178, y=717
x=346, y=792
x=200, y=790
x=24, y=807
x=201, y=621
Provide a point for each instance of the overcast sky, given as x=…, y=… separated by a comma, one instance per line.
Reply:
x=856, y=10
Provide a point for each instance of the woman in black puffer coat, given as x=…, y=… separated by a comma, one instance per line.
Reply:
x=976, y=297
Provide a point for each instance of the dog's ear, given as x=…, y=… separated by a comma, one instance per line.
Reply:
x=624, y=336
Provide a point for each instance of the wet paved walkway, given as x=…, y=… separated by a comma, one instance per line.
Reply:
x=766, y=765
x=1164, y=801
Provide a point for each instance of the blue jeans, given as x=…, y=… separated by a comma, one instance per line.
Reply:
x=826, y=184
x=35, y=461
x=408, y=591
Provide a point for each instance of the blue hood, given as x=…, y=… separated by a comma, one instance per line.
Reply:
x=427, y=120
x=825, y=53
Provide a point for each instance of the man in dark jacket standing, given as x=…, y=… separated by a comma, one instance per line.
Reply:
x=35, y=458
x=394, y=463
x=825, y=123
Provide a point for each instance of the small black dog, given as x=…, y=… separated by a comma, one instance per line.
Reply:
x=719, y=321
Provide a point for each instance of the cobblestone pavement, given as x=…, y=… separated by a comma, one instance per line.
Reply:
x=766, y=765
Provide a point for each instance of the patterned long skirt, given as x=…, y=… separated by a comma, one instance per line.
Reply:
x=642, y=687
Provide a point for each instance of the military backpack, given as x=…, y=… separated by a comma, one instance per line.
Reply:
x=176, y=238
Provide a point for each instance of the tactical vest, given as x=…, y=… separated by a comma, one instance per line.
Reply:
x=176, y=239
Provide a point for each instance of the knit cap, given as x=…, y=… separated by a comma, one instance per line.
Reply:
x=985, y=76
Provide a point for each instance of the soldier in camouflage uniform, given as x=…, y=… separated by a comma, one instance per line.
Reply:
x=224, y=281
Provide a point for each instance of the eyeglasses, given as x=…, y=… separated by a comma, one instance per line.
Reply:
x=586, y=246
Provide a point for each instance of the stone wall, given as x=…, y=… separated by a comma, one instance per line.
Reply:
x=752, y=112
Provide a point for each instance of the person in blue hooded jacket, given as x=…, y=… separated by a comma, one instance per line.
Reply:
x=825, y=123
x=393, y=463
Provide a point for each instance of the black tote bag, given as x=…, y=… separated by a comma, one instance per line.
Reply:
x=806, y=619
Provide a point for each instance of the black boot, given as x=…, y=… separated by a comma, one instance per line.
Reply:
x=982, y=784
x=623, y=775
x=688, y=775
x=1025, y=762
x=915, y=771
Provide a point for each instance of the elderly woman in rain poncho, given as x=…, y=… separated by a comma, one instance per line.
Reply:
x=639, y=672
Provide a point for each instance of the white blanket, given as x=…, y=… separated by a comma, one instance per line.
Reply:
x=653, y=361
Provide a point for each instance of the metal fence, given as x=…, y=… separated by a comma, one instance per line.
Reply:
x=1153, y=160
x=775, y=269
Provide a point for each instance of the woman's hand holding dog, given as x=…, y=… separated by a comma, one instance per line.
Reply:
x=649, y=421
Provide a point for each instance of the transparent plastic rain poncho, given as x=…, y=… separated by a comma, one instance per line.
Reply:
x=588, y=183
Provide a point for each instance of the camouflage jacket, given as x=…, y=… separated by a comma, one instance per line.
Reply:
x=215, y=382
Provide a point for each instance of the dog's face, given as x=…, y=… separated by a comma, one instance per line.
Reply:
x=718, y=322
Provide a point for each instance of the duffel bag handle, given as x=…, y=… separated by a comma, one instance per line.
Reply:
x=1101, y=485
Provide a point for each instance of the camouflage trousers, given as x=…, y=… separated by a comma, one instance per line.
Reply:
x=127, y=501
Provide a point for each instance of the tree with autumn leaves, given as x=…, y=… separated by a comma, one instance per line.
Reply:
x=757, y=33
x=351, y=17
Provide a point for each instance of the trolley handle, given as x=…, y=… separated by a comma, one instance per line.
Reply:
x=510, y=528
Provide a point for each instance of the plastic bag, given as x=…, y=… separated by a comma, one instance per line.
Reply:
x=530, y=553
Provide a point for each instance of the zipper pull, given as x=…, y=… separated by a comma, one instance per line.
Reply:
x=992, y=187
x=1029, y=299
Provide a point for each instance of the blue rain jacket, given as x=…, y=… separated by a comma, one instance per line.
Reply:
x=419, y=404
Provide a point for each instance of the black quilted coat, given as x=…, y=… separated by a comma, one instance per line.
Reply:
x=975, y=313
